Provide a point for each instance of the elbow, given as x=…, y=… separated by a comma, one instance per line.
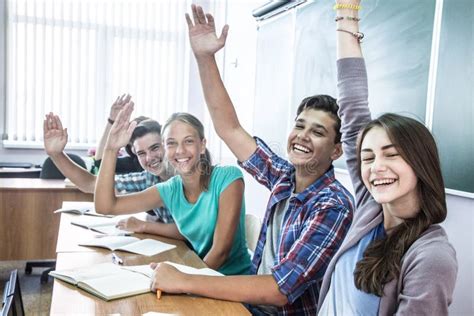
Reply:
x=103, y=208
x=280, y=300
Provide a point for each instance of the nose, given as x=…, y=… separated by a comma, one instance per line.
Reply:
x=180, y=148
x=302, y=134
x=378, y=165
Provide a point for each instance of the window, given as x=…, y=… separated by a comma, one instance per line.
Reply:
x=74, y=57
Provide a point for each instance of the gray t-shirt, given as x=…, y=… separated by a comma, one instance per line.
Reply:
x=271, y=247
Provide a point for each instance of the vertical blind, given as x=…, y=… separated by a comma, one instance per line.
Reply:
x=74, y=57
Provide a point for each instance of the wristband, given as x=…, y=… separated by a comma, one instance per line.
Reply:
x=347, y=6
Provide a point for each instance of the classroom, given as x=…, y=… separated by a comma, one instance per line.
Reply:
x=251, y=157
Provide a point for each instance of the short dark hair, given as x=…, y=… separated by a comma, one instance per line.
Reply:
x=324, y=103
x=145, y=126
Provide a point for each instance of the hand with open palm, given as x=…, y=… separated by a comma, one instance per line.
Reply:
x=202, y=33
x=121, y=131
x=54, y=136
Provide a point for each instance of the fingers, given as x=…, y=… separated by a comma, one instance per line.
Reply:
x=210, y=19
x=195, y=14
x=153, y=265
x=189, y=21
x=200, y=15
x=225, y=31
x=57, y=120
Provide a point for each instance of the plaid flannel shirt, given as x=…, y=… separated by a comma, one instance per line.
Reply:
x=139, y=181
x=313, y=228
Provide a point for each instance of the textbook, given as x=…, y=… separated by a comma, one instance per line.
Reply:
x=109, y=281
x=106, y=280
x=101, y=225
x=146, y=247
x=80, y=208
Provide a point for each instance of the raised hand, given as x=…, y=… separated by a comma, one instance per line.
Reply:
x=54, y=136
x=202, y=33
x=118, y=105
x=122, y=129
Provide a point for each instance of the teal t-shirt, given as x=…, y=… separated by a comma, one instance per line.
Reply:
x=197, y=221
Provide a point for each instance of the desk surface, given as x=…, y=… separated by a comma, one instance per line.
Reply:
x=68, y=299
x=34, y=183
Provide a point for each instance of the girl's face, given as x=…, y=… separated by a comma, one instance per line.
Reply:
x=183, y=147
x=388, y=177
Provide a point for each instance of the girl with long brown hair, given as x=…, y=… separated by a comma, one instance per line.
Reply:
x=395, y=258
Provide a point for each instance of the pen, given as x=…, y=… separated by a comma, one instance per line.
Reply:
x=116, y=259
x=158, y=294
x=108, y=235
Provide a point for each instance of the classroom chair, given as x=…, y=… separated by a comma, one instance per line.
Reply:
x=252, y=231
x=12, y=303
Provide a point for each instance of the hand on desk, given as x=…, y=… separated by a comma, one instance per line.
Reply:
x=131, y=224
x=166, y=278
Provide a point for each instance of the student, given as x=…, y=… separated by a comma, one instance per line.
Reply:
x=206, y=201
x=145, y=142
x=395, y=259
x=309, y=211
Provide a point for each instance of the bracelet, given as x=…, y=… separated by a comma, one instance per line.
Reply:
x=358, y=35
x=349, y=18
x=347, y=6
x=110, y=121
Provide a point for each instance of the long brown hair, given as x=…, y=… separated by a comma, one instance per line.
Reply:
x=382, y=259
x=205, y=161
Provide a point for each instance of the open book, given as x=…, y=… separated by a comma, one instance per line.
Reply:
x=106, y=280
x=101, y=225
x=146, y=247
x=109, y=281
x=79, y=208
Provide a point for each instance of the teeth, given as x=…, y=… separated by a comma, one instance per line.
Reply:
x=182, y=160
x=383, y=181
x=301, y=148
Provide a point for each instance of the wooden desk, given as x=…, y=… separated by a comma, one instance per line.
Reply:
x=68, y=299
x=28, y=226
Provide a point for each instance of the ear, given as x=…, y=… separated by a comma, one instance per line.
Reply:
x=337, y=152
x=203, y=143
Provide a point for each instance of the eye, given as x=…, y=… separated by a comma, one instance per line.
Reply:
x=155, y=148
x=170, y=144
x=189, y=141
x=140, y=154
x=299, y=126
x=367, y=159
x=317, y=133
x=391, y=155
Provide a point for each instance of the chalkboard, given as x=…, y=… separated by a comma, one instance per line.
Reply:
x=296, y=58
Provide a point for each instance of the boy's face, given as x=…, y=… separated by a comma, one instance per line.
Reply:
x=150, y=152
x=311, y=142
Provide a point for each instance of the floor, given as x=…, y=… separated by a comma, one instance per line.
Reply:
x=36, y=296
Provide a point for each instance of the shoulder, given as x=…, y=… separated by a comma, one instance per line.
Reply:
x=433, y=254
x=223, y=171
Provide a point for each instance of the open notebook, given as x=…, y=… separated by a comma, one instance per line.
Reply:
x=109, y=281
x=79, y=208
x=101, y=225
x=146, y=247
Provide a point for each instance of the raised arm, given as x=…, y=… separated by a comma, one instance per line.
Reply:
x=205, y=43
x=114, y=110
x=353, y=91
x=106, y=201
x=55, y=139
x=230, y=205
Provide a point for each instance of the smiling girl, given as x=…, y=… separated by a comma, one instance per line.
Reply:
x=206, y=201
x=395, y=258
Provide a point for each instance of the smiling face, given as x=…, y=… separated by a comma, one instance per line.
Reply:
x=150, y=152
x=388, y=177
x=311, y=146
x=183, y=147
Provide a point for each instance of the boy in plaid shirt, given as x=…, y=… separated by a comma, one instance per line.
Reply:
x=309, y=211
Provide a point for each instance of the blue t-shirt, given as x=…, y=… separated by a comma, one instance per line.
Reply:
x=343, y=297
x=197, y=221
